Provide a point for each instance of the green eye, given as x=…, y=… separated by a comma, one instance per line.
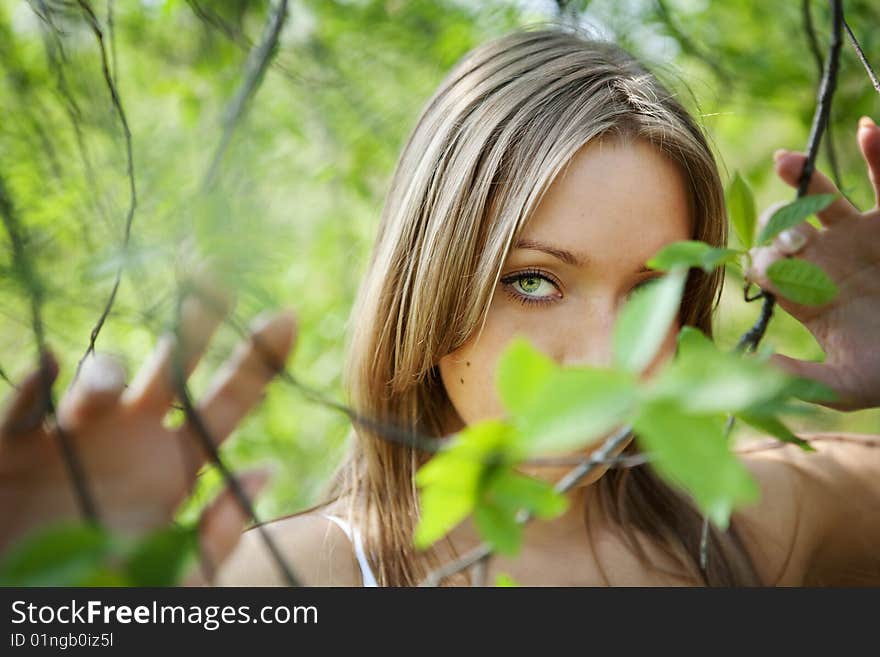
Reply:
x=530, y=284
x=532, y=287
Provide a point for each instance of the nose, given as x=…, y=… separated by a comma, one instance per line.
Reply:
x=589, y=341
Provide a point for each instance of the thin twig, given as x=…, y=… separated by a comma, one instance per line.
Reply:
x=6, y=378
x=813, y=42
x=689, y=47
x=208, y=443
x=480, y=571
x=92, y=20
x=56, y=57
x=257, y=62
x=111, y=32
x=216, y=22
x=752, y=337
x=862, y=57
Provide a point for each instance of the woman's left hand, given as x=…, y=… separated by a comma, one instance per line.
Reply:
x=847, y=248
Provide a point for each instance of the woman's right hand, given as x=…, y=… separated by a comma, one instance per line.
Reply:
x=847, y=248
x=136, y=469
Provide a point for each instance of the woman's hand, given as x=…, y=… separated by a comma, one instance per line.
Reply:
x=847, y=248
x=136, y=469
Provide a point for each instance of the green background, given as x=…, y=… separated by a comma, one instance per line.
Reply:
x=291, y=221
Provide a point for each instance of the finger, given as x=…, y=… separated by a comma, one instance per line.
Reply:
x=240, y=383
x=30, y=402
x=820, y=372
x=221, y=524
x=790, y=164
x=155, y=386
x=795, y=239
x=868, y=136
x=97, y=389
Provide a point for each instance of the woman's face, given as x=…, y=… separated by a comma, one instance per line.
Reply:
x=577, y=261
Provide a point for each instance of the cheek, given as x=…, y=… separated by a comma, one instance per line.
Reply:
x=468, y=375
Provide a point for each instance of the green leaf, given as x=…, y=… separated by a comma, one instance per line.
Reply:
x=802, y=282
x=688, y=253
x=575, y=407
x=704, y=379
x=691, y=451
x=720, y=256
x=451, y=480
x=810, y=391
x=60, y=555
x=516, y=491
x=521, y=374
x=159, y=558
x=793, y=214
x=741, y=208
x=691, y=254
x=499, y=528
x=503, y=579
x=441, y=510
x=775, y=427
x=645, y=320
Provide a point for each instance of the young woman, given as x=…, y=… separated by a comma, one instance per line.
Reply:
x=542, y=174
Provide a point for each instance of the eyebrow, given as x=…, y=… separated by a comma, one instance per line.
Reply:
x=562, y=254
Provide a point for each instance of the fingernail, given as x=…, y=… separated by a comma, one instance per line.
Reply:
x=779, y=154
x=867, y=122
x=790, y=241
x=101, y=373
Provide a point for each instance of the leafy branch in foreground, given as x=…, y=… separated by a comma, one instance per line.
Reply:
x=678, y=416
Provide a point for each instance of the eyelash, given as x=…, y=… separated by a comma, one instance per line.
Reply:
x=508, y=282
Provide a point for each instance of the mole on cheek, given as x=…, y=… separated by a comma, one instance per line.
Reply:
x=468, y=363
x=462, y=380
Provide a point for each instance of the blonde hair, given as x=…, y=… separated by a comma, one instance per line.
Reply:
x=486, y=147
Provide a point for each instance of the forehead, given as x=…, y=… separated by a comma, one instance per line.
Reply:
x=615, y=200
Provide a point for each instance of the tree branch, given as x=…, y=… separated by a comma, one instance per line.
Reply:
x=862, y=57
x=208, y=443
x=752, y=337
x=813, y=42
x=257, y=62
x=92, y=20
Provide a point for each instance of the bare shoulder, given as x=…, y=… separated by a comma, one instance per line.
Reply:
x=317, y=550
x=817, y=509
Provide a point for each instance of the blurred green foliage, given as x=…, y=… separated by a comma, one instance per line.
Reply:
x=296, y=204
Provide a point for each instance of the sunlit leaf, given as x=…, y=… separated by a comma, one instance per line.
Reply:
x=522, y=373
x=793, y=214
x=691, y=254
x=503, y=579
x=575, y=407
x=802, y=281
x=516, y=491
x=645, y=320
x=497, y=525
x=691, y=451
x=704, y=379
x=451, y=479
x=741, y=208
x=775, y=427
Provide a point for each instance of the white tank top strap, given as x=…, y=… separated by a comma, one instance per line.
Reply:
x=366, y=572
